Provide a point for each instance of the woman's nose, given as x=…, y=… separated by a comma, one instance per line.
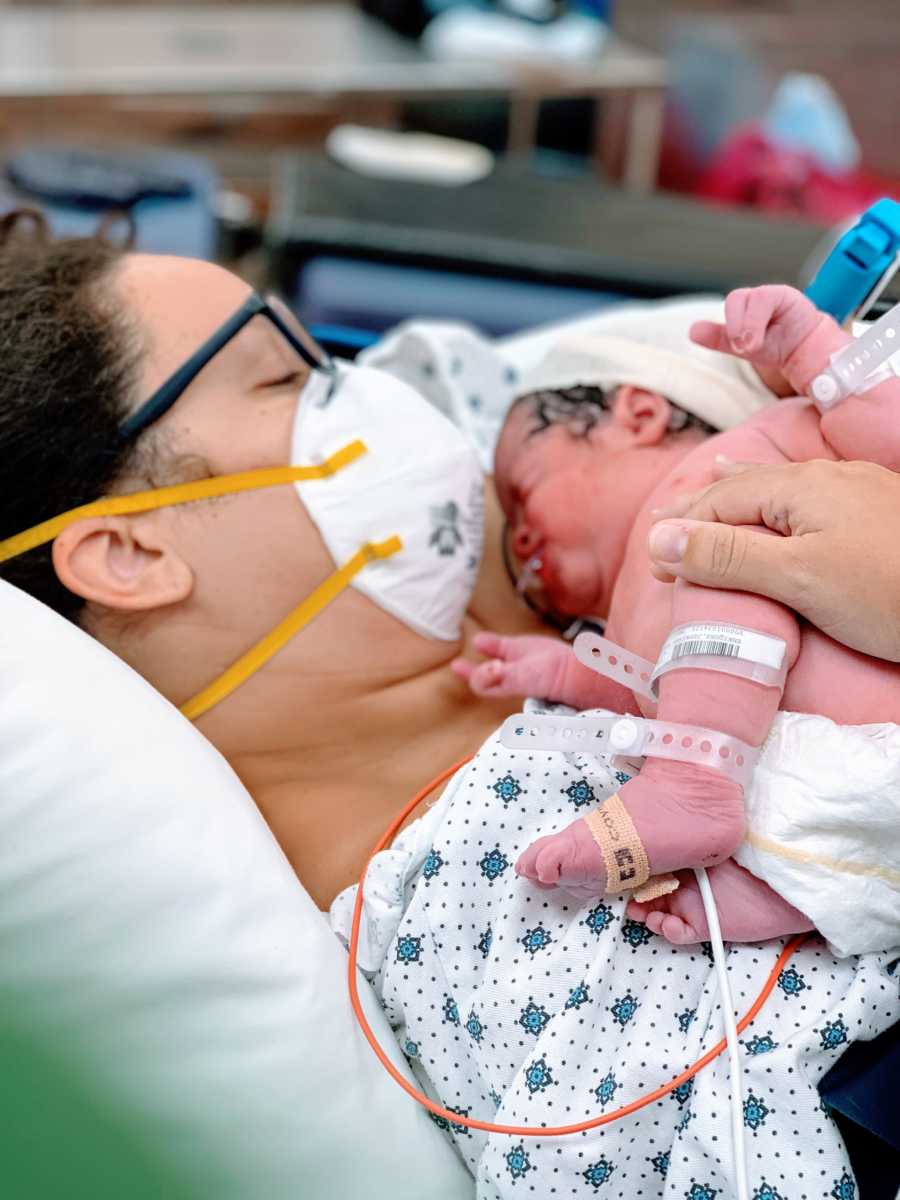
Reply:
x=524, y=542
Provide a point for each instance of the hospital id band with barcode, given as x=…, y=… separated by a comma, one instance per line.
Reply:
x=714, y=646
x=719, y=646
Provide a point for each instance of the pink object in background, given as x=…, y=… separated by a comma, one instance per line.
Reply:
x=749, y=169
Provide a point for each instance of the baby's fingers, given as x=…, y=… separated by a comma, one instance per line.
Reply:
x=489, y=644
x=737, y=320
x=711, y=335
x=764, y=307
x=493, y=678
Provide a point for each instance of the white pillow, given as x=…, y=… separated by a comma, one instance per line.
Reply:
x=148, y=917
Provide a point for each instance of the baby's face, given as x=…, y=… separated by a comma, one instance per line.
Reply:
x=570, y=504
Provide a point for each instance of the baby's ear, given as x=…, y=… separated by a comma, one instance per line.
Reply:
x=644, y=415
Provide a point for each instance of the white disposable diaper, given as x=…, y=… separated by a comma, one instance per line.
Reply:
x=823, y=817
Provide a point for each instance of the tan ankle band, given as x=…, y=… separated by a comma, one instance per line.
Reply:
x=627, y=866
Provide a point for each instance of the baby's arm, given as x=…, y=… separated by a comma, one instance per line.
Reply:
x=539, y=666
x=778, y=327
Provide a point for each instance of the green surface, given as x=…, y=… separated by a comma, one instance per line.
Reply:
x=60, y=1138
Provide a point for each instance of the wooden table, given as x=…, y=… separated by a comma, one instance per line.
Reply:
x=236, y=63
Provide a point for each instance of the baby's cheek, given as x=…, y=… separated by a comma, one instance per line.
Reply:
x=571, y=578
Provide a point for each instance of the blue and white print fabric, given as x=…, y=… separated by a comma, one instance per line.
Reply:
x=531, y=1007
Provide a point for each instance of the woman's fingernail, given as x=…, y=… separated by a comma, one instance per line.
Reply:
x=724, y=460
x=668, y=542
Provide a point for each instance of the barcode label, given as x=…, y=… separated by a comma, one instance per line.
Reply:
x=722, y=641
x=704, y=646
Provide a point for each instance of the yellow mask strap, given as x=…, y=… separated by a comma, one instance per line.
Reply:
x=249, y=663
x=209, y=489
x=181, y=493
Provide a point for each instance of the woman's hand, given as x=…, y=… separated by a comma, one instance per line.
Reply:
x=837, y=562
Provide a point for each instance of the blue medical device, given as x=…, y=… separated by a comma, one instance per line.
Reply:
x=861, y=265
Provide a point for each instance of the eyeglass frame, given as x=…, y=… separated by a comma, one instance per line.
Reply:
x=165, y=396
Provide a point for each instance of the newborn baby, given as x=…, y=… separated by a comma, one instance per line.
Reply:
x=579, y=476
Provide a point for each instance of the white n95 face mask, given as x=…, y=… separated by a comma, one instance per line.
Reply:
x=420, y=479
x=397, y=495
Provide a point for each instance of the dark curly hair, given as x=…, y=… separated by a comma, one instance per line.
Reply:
x=68, y=371
x=580, y=407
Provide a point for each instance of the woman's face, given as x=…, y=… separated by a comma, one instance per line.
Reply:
x=252, y=557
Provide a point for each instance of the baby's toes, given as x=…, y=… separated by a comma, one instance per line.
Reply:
x=674, y=929
x=550, y=855
x=526, y=862
x=569, y=857
x=640, y=910
x=680, y=932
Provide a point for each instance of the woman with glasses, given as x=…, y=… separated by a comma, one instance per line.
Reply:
x=121, y=372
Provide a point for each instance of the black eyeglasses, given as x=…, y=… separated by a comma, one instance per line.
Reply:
x=255, y=305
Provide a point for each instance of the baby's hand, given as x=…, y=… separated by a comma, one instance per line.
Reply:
x=765, y=325
x=516, y=666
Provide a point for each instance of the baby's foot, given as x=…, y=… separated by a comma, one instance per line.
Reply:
x=749, y=911
x=571, y=859
x=685, y=815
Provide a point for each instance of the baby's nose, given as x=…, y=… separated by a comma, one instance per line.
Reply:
x=524, y=542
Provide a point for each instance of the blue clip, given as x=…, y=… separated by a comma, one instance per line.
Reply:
x=860, y=265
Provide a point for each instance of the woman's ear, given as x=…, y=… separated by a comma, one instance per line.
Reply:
x=644, y=415
x=122, y=564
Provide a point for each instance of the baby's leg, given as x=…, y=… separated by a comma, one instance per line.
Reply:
x=749, y=911
x=684, y=814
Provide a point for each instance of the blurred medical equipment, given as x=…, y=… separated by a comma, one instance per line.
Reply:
x=392, y=154
x=467, y=33
x=171, y=197
x=514, y=250
x=806, y=114
x=861, y=265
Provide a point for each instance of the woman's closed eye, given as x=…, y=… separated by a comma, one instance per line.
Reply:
x=294, y=379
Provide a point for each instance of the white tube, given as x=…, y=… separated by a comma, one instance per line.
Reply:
x=741, y=1177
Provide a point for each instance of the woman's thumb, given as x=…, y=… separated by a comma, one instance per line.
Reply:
x=739, y=557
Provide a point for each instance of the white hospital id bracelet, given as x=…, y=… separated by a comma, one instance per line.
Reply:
x=731, y=649
x=641, y=737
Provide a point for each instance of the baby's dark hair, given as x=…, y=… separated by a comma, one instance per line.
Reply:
x=68, y=368
x=581, y=407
